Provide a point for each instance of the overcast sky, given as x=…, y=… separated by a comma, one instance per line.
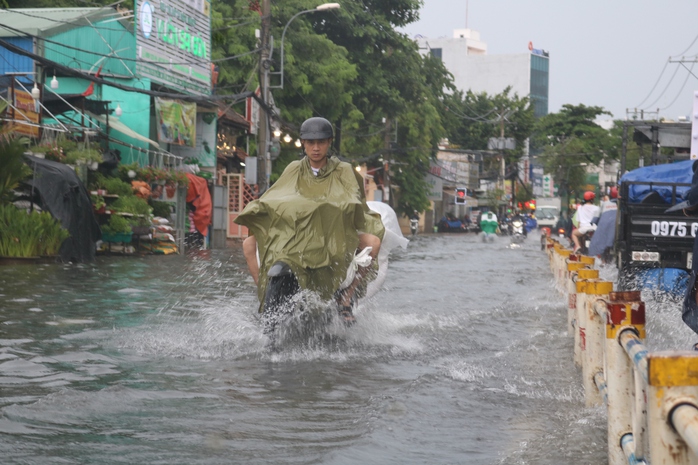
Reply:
x=608, y=53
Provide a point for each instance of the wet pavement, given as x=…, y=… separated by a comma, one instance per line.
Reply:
x=462, y=358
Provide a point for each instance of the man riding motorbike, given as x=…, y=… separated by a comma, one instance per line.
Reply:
x=312, y=221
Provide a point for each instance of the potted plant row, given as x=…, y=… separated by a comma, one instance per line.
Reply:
x=117, y=229
x=29, y=234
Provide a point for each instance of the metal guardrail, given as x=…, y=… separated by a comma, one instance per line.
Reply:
x=651, y=397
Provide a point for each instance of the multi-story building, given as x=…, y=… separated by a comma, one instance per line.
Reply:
x=465, y=56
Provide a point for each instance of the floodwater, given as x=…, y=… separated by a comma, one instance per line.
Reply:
x=462, y=358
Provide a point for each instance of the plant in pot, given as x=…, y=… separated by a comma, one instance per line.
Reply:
x=117, y=229
x=98, y=204
x=179, y=178
x=138, y=210
x=140, y=225
x=151, y=174
x=49, y=152
x=117, y=187
x=128, y=172
x=89, y=157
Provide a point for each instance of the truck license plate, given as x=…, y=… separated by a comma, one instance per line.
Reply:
x=674, y=229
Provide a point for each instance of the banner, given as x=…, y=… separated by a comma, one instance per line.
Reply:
x=26, y=114
x=176, y=121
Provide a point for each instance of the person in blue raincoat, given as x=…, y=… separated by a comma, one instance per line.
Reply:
x=605, y=233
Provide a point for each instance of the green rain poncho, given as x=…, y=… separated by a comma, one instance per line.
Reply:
x=311, y=223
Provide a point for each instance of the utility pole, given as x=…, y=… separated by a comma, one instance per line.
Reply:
x=263, y=157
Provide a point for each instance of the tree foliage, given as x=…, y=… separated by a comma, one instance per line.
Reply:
x=351, y=66
x=570, y=140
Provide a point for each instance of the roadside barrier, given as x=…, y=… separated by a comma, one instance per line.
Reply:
x=651, y=398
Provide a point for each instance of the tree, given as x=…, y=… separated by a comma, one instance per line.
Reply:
x=352, y=67
x=569, y=141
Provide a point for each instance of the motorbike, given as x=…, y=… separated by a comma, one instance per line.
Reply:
x=585, y=240
x=505, y=227
x=517, y=231
x=414, y=225
x=290, y=311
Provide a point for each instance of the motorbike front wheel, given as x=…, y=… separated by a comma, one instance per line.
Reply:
x=281, y=288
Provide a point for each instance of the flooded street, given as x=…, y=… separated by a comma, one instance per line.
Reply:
x=462, y=358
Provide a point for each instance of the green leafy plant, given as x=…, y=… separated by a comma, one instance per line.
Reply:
x=132, y=204
x=13, y=170
x=151, y=174
x=117, y=186
x=88, y=155
x=179, y=177
x=29, y=234
x=97, y=201
x=161, y=209
x=95, y=180
x=125, y=169
x=50, y=152
x=117, y=224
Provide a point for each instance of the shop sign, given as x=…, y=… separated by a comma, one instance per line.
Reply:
x=25, y=112
x=176, y=121
x=173, y=40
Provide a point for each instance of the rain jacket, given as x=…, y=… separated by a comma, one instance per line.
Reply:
x=311, y=223
x=489, y=223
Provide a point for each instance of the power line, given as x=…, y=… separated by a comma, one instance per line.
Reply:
x=665, y=89
x=690, y=73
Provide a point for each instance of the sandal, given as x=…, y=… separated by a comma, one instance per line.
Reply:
x=346, y=314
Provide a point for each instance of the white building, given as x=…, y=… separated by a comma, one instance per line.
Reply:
x=465, y=56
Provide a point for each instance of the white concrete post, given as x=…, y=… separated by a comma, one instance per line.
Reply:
x=572, y=268
x=672, y=379
x=580, y=314
x=623, y=439
x=597, y=293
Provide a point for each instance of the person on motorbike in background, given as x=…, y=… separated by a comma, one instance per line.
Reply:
x=327, y=179
x=565, y=224
x=489, y=225
x=519, y=217
x=586, y=213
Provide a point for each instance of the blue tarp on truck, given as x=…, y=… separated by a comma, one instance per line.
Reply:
x=679, y=172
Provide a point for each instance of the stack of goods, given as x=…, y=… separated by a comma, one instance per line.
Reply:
x=161, y=240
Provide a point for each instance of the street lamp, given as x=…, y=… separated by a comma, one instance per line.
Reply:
x=323, y=7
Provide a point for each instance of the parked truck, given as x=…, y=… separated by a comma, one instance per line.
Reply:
x=548, y=211
x=646, y=236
